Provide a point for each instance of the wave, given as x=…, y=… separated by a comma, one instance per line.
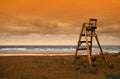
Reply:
x=37, y=49
x=114, y=49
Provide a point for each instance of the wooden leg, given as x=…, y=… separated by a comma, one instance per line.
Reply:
x=100, y=49
x=76, y=53
x=79, y=43
x=88, y=51
x=91, y=39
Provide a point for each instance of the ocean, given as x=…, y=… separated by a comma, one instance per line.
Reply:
x=51, y=48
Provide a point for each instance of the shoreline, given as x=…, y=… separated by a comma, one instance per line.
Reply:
x=44, y=53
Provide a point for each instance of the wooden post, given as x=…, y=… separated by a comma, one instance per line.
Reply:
x=88, y=49
x=100, y=49
x=79, y=43
x=91, y=39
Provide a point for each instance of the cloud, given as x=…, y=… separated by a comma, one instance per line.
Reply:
x=15, y=25
x=11, y=25
x=26, y=26
x=109, y=26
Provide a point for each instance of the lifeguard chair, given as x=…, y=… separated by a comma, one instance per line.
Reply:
x=88, y=32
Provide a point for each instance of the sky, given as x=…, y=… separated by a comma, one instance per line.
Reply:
x=57, y=22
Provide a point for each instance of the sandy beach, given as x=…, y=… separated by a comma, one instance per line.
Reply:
x=54, y=67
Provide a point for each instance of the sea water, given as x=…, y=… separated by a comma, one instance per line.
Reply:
x=55, y=48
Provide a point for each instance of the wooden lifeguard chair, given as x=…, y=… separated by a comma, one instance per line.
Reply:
x=88, y=32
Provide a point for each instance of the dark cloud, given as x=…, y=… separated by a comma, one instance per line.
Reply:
x=110, y=26
x=10, y=25
x=20, y=26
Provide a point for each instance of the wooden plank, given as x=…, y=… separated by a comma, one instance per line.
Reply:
x=85, y=41
x=100, y=49
x=82, y=49
x=88, y=50
x=79, y=43
x=82, y=34
x=91, y=39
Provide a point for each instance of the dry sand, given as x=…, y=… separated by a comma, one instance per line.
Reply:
x=53, y=67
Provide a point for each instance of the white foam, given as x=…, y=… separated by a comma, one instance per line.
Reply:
x=35, y=54
x=37, y=49
x=13, y=49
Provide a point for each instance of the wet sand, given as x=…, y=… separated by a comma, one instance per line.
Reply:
x=43, y=53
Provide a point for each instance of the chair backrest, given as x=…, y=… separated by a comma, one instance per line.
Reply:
x=92, y=25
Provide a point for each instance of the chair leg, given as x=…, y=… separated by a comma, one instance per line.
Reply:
x=100, y=49
x=88, y=51
x=76, y=52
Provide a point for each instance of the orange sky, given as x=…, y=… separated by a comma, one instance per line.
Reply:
x=56, y=22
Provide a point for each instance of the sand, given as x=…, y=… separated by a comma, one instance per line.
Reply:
x=53, y=67
x=36, y=53
x=43, y=53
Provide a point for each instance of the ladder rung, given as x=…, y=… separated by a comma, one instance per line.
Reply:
x=87, y=35
x=82, y=49
x=82, y=34
x=85, y=41
x=91, y=35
